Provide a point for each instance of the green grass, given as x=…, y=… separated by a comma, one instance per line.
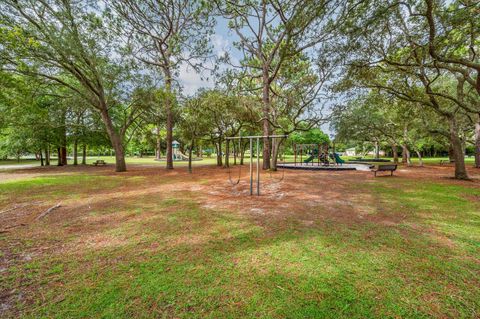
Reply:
x=172, y=258
x=148, y=160
x=20, y=162
x=111, y=160
x=426, y=160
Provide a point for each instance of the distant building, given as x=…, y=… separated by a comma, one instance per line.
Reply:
x=380, y=153
x=351, y=152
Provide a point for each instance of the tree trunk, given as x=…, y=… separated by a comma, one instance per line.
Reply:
x=59, y=157
x=41, y=158
x=63, y=146
x=47, y=155
x=75, y=152
x=218, y=145
x=477, y=143
x=84, y=154
x=451, y=156
x=235, y=153
x=406, y=155
x=116, y=140
x=227, y=153
x=242, y=153
x=190, y=150
x=377, y=150
x=395, y=153
x=158, y=145
x=266, y=117
x=169, y=113
x=275, y=147
x=420, y=159
x=63, y=152
x=457, y=150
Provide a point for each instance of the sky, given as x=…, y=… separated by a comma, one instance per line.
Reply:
x=222, y=41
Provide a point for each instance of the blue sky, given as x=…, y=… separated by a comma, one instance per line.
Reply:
x=222, y=41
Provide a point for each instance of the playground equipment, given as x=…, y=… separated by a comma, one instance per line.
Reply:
x=251, y=138
x=318, y=152
x=178, y=155
x=338, y=160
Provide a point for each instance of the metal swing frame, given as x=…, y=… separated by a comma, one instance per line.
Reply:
x=257, y=138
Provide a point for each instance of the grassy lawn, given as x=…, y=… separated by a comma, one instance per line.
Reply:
x=19, y=162
x=148, y=244
x=111, y=160
x=148, y=160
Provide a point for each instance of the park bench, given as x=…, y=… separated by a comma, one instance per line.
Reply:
x=446, y=162
x=99, y=162
x=385, y=168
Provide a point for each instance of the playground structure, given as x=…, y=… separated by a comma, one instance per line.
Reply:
x=257, y=138
x=178, y=155
x=318, y=157
x=317, y=154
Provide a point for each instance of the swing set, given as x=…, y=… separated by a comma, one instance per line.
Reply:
x=251, y=139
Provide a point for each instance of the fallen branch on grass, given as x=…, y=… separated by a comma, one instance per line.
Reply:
x=48, y=211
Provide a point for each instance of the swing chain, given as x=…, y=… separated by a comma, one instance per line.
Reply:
x=283, y=170
x=229, y=169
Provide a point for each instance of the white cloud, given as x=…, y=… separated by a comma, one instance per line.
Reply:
x=220, y=45
x=191, y=80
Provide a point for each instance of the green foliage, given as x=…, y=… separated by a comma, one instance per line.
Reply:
x=311, y=136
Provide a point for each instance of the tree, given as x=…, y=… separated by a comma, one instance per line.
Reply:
x=68, y=43
x=453, y=43
x=271, y=33
x=194, y=124
x=389, y=59
x=166, y=35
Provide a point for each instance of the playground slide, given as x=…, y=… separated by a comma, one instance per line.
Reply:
x=338, y=159
x=185, y=157
x=308, y=160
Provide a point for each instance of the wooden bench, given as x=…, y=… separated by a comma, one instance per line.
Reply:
x=446, y=162
x=385, y=168
x=99, y=162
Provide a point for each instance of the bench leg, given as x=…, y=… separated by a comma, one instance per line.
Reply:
x=391, y=173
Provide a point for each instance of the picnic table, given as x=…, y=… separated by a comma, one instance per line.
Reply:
x=99, y=162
